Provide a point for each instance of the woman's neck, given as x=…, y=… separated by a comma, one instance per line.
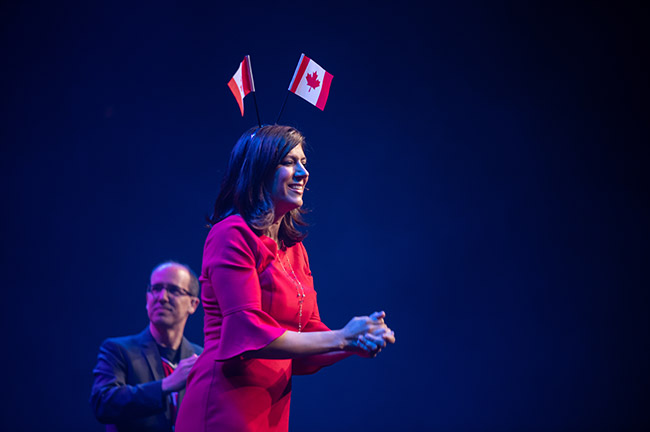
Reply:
x=273, y=230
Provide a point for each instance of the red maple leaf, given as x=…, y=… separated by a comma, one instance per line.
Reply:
x=312, y=81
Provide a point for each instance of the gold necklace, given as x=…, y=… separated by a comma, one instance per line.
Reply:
x=300, y=291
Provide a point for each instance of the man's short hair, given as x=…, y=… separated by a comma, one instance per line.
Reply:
x=195, y=286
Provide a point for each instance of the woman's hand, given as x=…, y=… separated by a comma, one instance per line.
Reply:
x=362, y=325
x=368, y=335
x=371, y=344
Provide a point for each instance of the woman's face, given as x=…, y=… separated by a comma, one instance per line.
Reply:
x=289, y=181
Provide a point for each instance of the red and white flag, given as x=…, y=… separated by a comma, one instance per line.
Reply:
x=311, y=82
x=242, y=82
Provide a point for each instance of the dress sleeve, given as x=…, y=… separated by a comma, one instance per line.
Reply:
x=232, y=257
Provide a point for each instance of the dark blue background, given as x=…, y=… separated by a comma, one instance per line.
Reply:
x=478, y=173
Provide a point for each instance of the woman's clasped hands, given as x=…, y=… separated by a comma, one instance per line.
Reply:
x=367, y=335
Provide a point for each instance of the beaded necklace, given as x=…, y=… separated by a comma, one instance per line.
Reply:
x=300, y=291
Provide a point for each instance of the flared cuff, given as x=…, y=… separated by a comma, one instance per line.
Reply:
x=246, y=330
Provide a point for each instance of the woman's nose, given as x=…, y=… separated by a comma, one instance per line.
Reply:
x=301, y=171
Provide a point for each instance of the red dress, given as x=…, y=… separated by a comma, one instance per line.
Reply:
x=249, y=301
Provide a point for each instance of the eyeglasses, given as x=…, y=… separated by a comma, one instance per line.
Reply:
x=171, y=289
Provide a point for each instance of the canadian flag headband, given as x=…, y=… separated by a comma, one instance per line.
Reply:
x=310, y=81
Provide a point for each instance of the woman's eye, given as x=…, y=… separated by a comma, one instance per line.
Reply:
x=287, y=162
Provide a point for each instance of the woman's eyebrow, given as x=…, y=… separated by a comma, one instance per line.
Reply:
x=296, y=157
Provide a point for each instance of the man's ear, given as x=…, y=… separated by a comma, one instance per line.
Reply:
x=195, y=304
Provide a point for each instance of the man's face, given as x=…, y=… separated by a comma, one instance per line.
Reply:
x=168, y=301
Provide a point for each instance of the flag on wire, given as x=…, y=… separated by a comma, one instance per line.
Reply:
x=242, y=82
x=311, y=82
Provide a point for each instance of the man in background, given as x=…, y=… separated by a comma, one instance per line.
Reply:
x=140, y=379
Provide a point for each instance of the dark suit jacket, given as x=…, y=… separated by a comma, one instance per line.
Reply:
x=127, y=391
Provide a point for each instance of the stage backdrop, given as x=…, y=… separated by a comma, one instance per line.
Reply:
x=477, y=173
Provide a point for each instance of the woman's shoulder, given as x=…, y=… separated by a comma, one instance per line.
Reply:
x=232, y=239
x=232, y=228
x=233, y=222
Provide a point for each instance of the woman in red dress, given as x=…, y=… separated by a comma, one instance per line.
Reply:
x=261, y=318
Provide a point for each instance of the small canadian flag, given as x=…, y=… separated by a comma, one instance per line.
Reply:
x=242, y=82
x=311, y=82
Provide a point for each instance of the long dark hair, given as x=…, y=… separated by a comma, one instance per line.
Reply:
x=245, y=188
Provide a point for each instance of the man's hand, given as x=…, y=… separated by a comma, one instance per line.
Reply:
x=176, y=381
